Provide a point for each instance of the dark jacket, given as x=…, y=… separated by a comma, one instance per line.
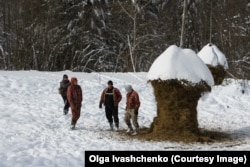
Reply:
x=64, y=84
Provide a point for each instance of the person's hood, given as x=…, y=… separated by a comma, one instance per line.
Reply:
x=73, y=79
x=128, y=88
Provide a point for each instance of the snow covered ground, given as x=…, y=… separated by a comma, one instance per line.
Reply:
x=34, y=131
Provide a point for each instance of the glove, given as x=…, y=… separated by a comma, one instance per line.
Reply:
x=100, y=105
x=136, y=111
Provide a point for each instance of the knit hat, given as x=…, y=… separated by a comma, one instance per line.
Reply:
x=110, y=83
x=128, y=88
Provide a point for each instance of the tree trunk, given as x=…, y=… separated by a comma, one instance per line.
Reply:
x=210, y=21
x=183, y=23
x=131, y=54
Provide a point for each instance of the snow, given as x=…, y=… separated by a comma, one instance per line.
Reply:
x=34, y=131
x=178, y=63
x=211, y=54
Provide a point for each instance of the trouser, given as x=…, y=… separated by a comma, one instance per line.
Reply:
x=76, y=112
x=130, y=114
x=112, y=115
x=66, y=103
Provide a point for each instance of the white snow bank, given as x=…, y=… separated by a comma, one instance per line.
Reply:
x=178, y=63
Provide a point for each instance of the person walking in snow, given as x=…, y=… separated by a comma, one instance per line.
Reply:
x=132, y=107
x=111, y=97
x=74, y=95
x=64, y=84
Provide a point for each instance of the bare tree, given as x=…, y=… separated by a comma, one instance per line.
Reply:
x=133, y=15
x=3, y=57
x=211, y=21
x=183, y=23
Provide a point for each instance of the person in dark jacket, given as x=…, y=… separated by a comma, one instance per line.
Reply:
x=74, y=95
x=63, y=91
x=111, y=97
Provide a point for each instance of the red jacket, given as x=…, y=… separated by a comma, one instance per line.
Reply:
x=74, y=94
x=133, y=101
x=116, y=95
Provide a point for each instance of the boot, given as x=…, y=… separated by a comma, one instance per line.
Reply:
x=65, y=111
x=136, y=132
x=130, y=129
x=111, y=126
x=116, y=126
x=73, y=124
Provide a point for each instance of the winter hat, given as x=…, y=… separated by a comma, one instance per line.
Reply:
x=110, y=83
x=65, y=76
x=128, y=88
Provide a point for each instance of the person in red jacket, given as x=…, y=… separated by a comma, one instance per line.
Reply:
x=111, y=97
x=132, y=107
x=74, y=96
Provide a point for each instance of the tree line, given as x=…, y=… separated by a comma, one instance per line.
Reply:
x=118, y=35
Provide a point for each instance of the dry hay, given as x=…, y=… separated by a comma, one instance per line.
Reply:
x=218, y=72
x=176, y=118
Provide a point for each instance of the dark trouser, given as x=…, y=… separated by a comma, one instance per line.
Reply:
x=112, y=113
x=66, y=103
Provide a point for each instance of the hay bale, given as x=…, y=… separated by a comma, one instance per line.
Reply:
x=218, y=72
x=176, y=109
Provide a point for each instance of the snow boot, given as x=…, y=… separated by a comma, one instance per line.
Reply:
x=65, y=111
x=136, y=132
x=130, y=129
x=111, y=126
x=73, y=125
x=116, y=126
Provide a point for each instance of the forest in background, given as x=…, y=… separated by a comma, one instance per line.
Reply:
x=118, y=35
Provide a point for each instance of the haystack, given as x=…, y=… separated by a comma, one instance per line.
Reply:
x=179, y=78
x=218, y=72
x=215, y=61
x=176, y=109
